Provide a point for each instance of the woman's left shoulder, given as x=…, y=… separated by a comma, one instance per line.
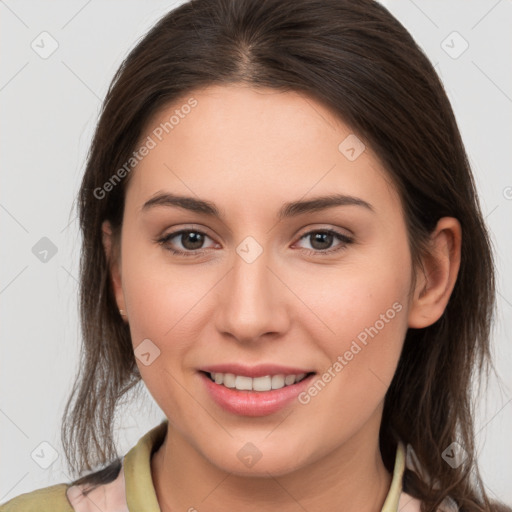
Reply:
x=408, y=503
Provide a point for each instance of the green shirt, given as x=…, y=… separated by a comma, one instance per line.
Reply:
x=133, y=490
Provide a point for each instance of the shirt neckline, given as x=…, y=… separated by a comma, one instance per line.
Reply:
x=141, y=494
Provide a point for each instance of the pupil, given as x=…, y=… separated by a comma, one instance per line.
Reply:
x=196, y=239
x=322, y=238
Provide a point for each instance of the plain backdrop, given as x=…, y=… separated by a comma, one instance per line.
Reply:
x=50, y=104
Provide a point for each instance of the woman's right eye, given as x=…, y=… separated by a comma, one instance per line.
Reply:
x=191, y=241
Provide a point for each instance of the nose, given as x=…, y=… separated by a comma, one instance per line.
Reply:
x=253, y=302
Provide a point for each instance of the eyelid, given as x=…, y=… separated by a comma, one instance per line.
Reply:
x=172, y=231
x=334, y=229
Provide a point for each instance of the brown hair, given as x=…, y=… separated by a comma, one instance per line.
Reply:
x=359, y=61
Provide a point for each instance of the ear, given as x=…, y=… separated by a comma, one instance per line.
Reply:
x=113, y=259
x=436, y=280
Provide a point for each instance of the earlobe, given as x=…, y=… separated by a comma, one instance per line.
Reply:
x=436, y=280
x=113, y=260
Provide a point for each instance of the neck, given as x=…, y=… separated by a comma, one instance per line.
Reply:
x=350, y=478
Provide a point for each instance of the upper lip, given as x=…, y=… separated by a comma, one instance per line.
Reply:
x=259, y=370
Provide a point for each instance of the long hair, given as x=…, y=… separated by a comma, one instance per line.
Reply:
x=356, y=59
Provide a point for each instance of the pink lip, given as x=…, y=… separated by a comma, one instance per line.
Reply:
x=254, y=403
x=259, y=370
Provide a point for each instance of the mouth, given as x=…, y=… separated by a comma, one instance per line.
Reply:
x=257, y=384
x=260, y=395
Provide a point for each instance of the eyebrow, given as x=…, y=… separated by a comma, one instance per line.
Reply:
x=288, y=210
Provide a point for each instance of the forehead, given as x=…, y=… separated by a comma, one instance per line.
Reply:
x=237, y=141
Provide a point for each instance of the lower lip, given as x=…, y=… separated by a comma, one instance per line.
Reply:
x=254, y=403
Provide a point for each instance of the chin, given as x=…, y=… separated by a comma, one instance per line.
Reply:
x=249, y=460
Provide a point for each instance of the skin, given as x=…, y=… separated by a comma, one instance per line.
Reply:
x=249, y=151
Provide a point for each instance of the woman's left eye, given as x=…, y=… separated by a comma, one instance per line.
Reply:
x=319, y=239
x=192, y=242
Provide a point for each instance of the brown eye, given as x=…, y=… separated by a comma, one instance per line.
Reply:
x=321, y=241
x=190, y=240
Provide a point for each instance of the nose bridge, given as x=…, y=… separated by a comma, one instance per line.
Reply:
x=252, y=301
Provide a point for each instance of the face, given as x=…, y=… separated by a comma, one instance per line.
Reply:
x=258, y=289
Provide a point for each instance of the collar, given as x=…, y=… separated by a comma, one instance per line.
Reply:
x=133, y=489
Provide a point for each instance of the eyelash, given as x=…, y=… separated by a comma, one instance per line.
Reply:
x=346, y=240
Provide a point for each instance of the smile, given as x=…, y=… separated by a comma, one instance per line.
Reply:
x=265, y=383
x=260, y=395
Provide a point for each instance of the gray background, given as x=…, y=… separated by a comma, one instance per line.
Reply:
x=49, y=109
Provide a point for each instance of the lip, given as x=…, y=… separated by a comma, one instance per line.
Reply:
x=260, y=370
x=254, y=403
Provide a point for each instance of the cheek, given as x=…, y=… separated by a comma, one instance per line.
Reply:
x=361, y=360
x=166, y=305
x=161, y=319
x=369, y=326
x=357, y=300
x=159, y=296
x=363, y=307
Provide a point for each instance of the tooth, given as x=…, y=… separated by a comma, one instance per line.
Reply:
x=262, y=383
x=277, y=381
x=229, y=380
x=289, y=379
x=243, y=383
x=266, y=383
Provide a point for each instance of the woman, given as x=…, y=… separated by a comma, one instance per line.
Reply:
x=282, y=239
